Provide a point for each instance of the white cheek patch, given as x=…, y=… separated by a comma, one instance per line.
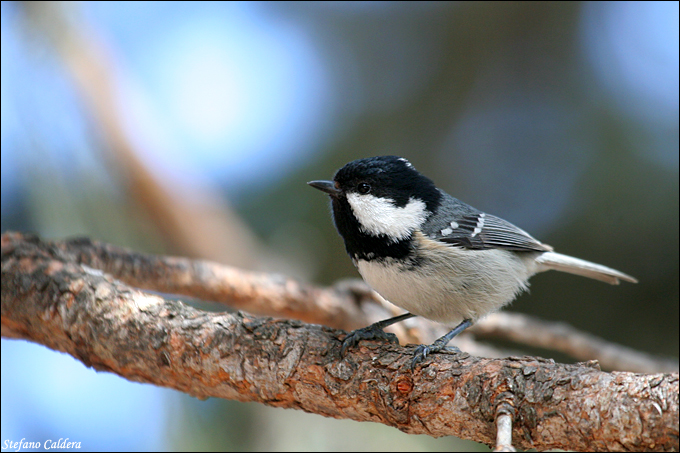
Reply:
x=380, y=216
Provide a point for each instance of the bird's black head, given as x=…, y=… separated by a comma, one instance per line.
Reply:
x=377, y=204
x=388, y=177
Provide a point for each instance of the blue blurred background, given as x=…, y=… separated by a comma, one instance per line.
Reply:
x=191, y=129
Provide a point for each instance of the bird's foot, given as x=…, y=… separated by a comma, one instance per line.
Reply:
x=372, y=332
x=424, y=350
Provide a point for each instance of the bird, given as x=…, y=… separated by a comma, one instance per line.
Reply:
x=432, y=254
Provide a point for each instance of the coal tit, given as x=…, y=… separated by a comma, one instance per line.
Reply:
x=431, y=254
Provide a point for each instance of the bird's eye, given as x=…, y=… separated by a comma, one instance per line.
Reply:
x=363, y=188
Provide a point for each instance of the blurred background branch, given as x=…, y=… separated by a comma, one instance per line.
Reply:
x=192, y=224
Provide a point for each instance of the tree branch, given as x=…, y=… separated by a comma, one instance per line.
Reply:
x=49, y=298
x=347, y=305
x=257, y=292
x=558, y=336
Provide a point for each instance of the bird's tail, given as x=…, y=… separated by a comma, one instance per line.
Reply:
x=564, y=263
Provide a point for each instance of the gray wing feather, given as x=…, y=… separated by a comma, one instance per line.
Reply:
x=461, y=225
x=484, y=231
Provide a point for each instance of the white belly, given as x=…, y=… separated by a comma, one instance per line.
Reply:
x=455, y=287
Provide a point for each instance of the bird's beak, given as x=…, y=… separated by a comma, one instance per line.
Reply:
x=326, y=186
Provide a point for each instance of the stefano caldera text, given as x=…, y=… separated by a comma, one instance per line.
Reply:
x=49, y=444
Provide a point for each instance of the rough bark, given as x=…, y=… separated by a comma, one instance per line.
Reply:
x=52, y=300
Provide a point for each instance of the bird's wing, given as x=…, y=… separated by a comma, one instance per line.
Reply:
x=480, y=231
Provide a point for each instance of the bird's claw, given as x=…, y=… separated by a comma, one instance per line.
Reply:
x=421, y=352
x=424, y=350
x=366, y=333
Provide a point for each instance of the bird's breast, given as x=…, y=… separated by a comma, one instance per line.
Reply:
x=447, y=284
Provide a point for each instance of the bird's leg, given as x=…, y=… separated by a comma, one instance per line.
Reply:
x=373, y=332
x=423, y=350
